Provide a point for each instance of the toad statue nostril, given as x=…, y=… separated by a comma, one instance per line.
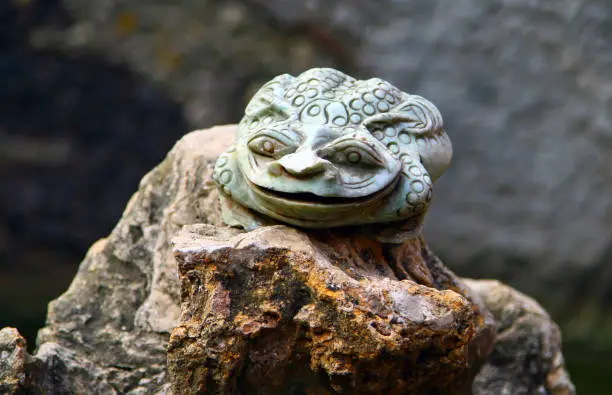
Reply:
x=275, y=169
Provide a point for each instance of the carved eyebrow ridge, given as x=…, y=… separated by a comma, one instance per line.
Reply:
x=398, y=117
x=281, y=135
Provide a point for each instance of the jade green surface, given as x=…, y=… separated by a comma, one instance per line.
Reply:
x=324, y=150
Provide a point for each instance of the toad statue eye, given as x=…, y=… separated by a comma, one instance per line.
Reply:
x=353, y=154
x=267, y=145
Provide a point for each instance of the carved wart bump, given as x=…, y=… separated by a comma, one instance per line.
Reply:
x=324, y=150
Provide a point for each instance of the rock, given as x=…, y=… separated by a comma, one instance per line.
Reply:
x=276, y=310
x=109, y=332
x=527, y=357
x=13, y=356
x=525, y=88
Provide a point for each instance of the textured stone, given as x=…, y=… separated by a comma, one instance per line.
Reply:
x=13, y=356
x=527, y=357
x=108, y=333
x=275, y=311
x=124, y=300
x=340, y=151
x=525, y=88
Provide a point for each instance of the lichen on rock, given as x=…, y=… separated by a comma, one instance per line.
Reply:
x=259, y=307
x=110, y=331
x=13, y=356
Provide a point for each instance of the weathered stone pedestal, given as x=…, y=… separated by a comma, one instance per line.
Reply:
x=272, y=309
x=276, y=311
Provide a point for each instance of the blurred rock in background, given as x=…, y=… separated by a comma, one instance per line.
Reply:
x=93, y=94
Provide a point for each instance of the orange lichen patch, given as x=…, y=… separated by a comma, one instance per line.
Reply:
x=126, y=23
x=266, y=315
x=249, y=328
x=320, y=289
x=269, y=262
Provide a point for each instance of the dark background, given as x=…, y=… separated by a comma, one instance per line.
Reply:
x=93, y=95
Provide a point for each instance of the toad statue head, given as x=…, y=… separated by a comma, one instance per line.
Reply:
x=324, y=150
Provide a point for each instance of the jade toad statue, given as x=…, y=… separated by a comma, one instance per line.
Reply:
x=324, y=150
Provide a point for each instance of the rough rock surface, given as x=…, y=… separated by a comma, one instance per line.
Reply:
x=278, y=311
x=525, y=88
x=124, y=299
x=108, y=333
x=13, y=356
x=527, y=357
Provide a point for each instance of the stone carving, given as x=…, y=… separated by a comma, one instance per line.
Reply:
x=109, y=332
x=325, y=150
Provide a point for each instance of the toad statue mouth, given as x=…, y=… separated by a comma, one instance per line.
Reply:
x=307, y=208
